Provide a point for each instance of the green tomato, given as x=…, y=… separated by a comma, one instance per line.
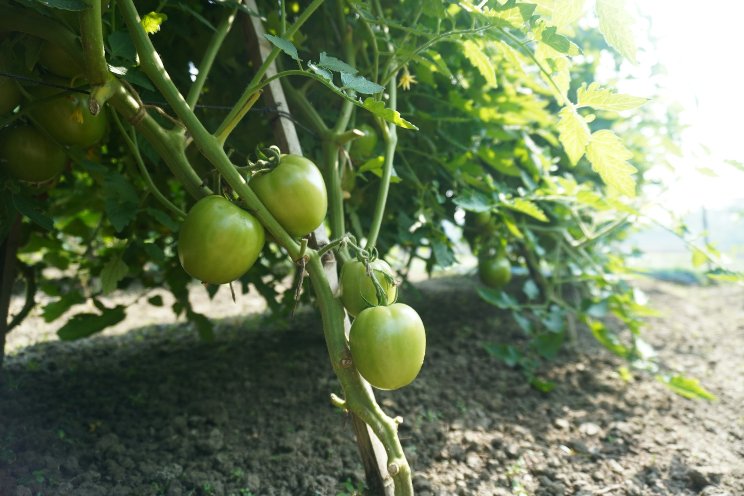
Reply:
x=65, y=116
x=388, y=345
x=28, y=155
x=494, y=271
x=357, y=287
x=295, y=194
x=10, y=95
x=219, y=241
x=364, y=146
x=59, y=62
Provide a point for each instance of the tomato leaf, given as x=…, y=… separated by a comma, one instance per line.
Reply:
x=327, y=75
x=52, y=311
x=605, y=99
x=561, y=13
x=507, y=353
x=573, y=133
x=473, y=201
x=686, y=387
x=86, y=324
x=360, y=84
x=72, y=5
x=527, y=207
x=121, y=201
x=121, y=46
x=609, y=159
x=26, y=206
x=334, y=64
x=498, y=298
x=616, y=25
x=393, y=116
x=114, y=271
x=285, y=46
x=203, y=325
x=480, y=61
x=558, y=42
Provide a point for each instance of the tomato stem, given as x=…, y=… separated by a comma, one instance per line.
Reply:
x=209, y=56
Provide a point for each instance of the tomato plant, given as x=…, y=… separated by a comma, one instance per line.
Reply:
x=494, y=270
x=219, y=241
x=295, y=194
x=357, y=289
x=67, y=118
x=388, y=344
x=28, y=155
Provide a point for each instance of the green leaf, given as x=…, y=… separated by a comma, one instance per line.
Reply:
x=542, y=385
x=86, y=324
x=609, y=159
x=526, y=207
x=203, y=325
x=615, y=23
x=121, y=202
x=152, y=22
x=699, y=258
x=573, y=133
x=73, y=5
x=285, y=46
x=334, y=64
x=562, y=13
x=114, y=271
x=507, y=353
x=473, y=201
x=393, y=116
x=559, y=42
x=327, y=75
x=121, y=46
x=686, y=387
x=605, y=99
x=607, y=338
x=28, y=207
x=360, y=84
x=375, y=165
x=498, y=298
x=480, y=61
x=52, y=311
x=548, y=344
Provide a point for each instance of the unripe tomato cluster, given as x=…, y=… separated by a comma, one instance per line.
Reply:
x=387, y=339
x=33, y=148
x=219, y=241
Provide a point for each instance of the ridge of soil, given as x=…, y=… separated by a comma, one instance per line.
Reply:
x=156, y=411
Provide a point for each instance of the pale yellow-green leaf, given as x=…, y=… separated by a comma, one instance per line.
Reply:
x=560, y=13
x=616, y=25
x=698, y=257
x=559, y=68
x=605, y=99
x=527, y=207
x=152, y=21
x=609, y=159
x=573, y=133
x=480, y=60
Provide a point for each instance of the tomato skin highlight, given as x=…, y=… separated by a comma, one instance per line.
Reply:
x=388, y=344
x=356, y=285
x=495, y=271
x=26, y=154
x=10, y=95
x=219, y=241
x=66, y=117
x=295, y=194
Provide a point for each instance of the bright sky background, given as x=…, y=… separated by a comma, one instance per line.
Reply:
x=700, y=45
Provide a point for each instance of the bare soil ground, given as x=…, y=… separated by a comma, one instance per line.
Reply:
x=156, y=411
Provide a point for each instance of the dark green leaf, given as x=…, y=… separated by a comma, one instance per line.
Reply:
x=203, y=325
x=86, y=324
x=548, y=344
x=473, y=200
x=360, y=84
x=542, y=385
x=509, y=354
x=121, y=46
x=52, y=311
x=28, y=207
x=122, y=200
x=497, y=298
x=73, y=5
x=334, y=64
x=156, y=301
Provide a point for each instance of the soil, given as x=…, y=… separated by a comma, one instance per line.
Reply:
x=156, y=411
